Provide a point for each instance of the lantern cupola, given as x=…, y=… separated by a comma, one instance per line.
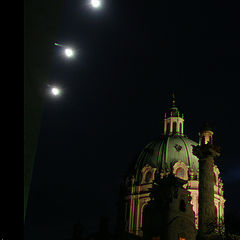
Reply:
x=173, y=120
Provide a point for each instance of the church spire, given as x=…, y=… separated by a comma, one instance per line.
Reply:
x=173, y=122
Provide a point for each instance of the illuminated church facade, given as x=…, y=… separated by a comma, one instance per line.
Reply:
x=171, y=154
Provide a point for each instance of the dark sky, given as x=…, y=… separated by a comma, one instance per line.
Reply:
x=131, y=56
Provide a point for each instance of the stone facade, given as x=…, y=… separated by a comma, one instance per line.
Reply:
x=171, y=155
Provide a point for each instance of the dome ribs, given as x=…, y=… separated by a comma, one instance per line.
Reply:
x=188, y=158
x=159, y=163
x=165, y=154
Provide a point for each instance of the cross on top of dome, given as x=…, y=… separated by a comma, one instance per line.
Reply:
x=173, y=110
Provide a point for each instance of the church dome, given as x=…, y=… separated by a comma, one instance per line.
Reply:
x=163, y=153
x=162, y=163
x=172, y=147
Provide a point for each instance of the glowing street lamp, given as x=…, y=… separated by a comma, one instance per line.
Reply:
x=55, y=91
x=96, y=3
x=69, y=52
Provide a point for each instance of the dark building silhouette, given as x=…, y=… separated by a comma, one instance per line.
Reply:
x=78, y=231
x=169, y=213
x=103, y=233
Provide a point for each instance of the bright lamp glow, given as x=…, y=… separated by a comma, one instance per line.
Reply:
x=96, y=3
x=55, y=91
x=68, y=52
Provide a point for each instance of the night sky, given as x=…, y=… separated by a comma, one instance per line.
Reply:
x=131, y=56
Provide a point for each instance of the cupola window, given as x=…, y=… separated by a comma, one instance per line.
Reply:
x=174, y=127
x=168, y=128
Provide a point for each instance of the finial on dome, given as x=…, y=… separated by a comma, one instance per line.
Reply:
x=173, y=99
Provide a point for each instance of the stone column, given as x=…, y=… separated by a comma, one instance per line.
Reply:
x=206, y=152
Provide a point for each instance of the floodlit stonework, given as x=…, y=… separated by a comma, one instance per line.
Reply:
x=171, y=154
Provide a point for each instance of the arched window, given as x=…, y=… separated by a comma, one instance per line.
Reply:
x=216, y=214
x=180, y=130
x=168, y=128
x=180, y=172
x=148, y=176
x=215, y=178
x=174, y=127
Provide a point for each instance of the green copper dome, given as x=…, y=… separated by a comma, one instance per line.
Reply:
x=172, y=147
x=164, y=153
